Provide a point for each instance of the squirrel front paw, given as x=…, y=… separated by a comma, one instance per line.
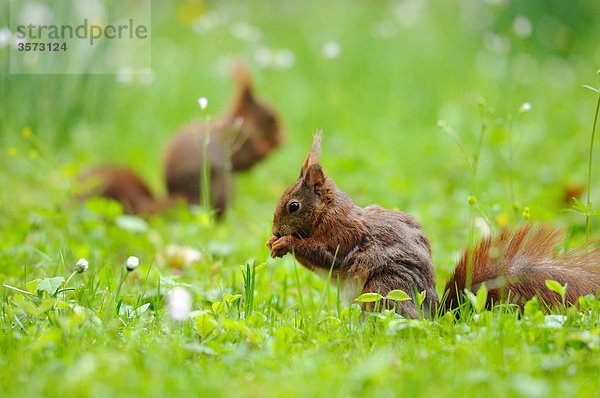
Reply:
x=270, y=242
x=282, y=246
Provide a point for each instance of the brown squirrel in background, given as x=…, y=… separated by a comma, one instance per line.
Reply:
x=377, y=250
x=244, y=135
x=124, y=186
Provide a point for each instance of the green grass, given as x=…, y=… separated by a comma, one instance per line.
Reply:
x=379, y=104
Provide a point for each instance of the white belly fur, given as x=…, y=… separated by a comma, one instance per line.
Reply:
x=349, y=287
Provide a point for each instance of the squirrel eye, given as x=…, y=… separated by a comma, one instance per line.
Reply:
x=294, y=206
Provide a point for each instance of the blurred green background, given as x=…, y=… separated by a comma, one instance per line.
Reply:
x=376, y=77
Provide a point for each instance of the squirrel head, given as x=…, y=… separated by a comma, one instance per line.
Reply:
x=299, y=207
x=258, y=119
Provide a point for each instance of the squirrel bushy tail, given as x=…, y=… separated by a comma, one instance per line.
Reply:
x=515, y=264
x=124, y=186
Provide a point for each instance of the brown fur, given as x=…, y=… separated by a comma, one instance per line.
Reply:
x=382, y=250
x=516, y=264
x=243, y=136
x=124, y=186
x=378, y=249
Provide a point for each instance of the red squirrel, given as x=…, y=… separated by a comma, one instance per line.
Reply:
x=241, y=137
x=244, y=135
x=377, y=250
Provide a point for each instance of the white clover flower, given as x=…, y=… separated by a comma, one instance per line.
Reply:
x=332, y=49
x=132, y=263
x=203, y=102
x=179, y=303
x=81, y=266
x=526, y=107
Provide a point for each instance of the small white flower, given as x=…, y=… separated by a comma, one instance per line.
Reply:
x=263, y=56
x=208, y=21
x=179, y=303
x=16, y=40
x=384, y=30
x=482, y=226
x=496, y=43
x=4, y=37
x=35, y=13
x=279, y=59
x=81, y=266
x=245, y=31
x=132, y=263
x=522, y=26
x=283, y=59
x=332, y=49
x=203, y=102
x=182, y=256
x=125, y=75
x=526, y=107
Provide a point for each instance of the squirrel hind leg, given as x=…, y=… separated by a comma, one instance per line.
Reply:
x=406, y=308
x=187, y=186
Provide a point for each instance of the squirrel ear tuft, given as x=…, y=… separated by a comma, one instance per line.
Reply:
x=243, y=81
x=315, y=177
x=314, y=155
x=241, y=75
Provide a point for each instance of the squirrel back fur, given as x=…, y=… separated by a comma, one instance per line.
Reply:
x=378, y=250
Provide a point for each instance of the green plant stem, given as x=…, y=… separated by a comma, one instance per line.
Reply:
x=511, y=181
x=66, y=283
x=474, y=161
x=589, y=181
x=124, y=273
x=118, y=292
x=205, y=179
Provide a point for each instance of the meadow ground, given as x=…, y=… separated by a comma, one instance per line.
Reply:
x=392, y=84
